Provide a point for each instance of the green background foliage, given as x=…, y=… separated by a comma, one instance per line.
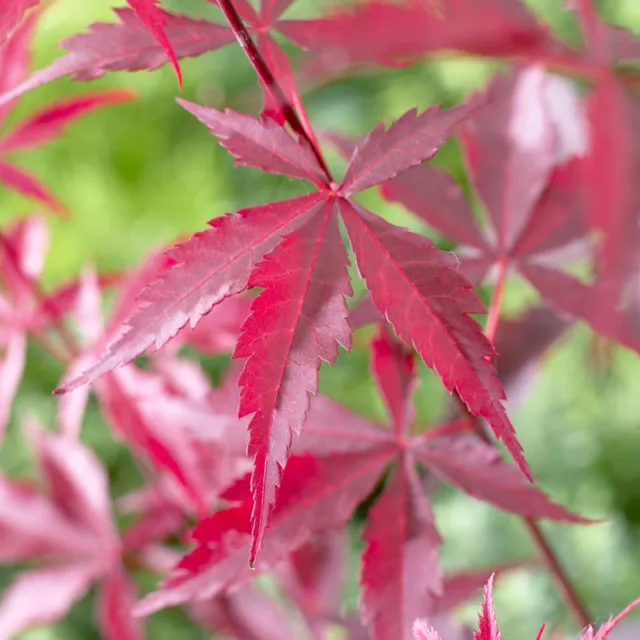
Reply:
x=140, y=175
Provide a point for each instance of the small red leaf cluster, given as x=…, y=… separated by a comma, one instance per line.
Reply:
x=552, y=168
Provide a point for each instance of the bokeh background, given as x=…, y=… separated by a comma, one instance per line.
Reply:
x=138, y=176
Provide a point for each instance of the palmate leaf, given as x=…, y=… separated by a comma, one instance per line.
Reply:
x=300, y=317
x=400, y=534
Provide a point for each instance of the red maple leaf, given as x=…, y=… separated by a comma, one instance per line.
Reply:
x=344, y=456
x=305, y=273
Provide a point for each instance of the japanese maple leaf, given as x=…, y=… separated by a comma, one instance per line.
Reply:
x=536, y=211
x=344, y=457
x=78, y=545
x=304, y=276
x=488, y=625
x=44, y=125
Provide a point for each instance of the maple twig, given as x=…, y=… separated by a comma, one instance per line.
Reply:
x=269, y=81
x=564, y=584
x=540, y=541
x=493, y=320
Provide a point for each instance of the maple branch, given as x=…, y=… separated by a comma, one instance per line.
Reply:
x=493, y=319
x=564, y=584
x=269, y=81
x=537, y=536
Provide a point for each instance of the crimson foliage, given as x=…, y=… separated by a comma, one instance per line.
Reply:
x=553, y=168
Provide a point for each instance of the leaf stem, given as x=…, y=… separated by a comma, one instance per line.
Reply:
x=269, y=81
x=563, y=583
x=540, y=541
x=493, y=320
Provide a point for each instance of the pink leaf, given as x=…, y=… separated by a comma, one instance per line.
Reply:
x=15, y=59
x=316, y=495
x=209, y=267
x=50, y=122
x=116, y=599
x=400, y=568
x=394, y=370
x=22, y=512
x=419, y=291
x=150, y=14
x=42, y=597
x=433, y=195
x=77, y=483
x=245, y=614
x=604, y=631
x=422, y=631
x=306, y=278
x=11, y=15
x=477, y=469
x=13, y=347
x=487, y=623
x=126, y=45
x=385, y=153
x=265, y=145
x=29, y=187
x=160, y=437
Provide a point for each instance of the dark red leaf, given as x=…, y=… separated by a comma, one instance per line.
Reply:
x=400, y=569
x=265, y=145
x=412, y=138
x=513, y=137
x=418, y=289
x=477, y=469
x=567, y=294
x=306, y=278
x=433, y=195
x=209, y=267
x=394, y=369
x=316, y=495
